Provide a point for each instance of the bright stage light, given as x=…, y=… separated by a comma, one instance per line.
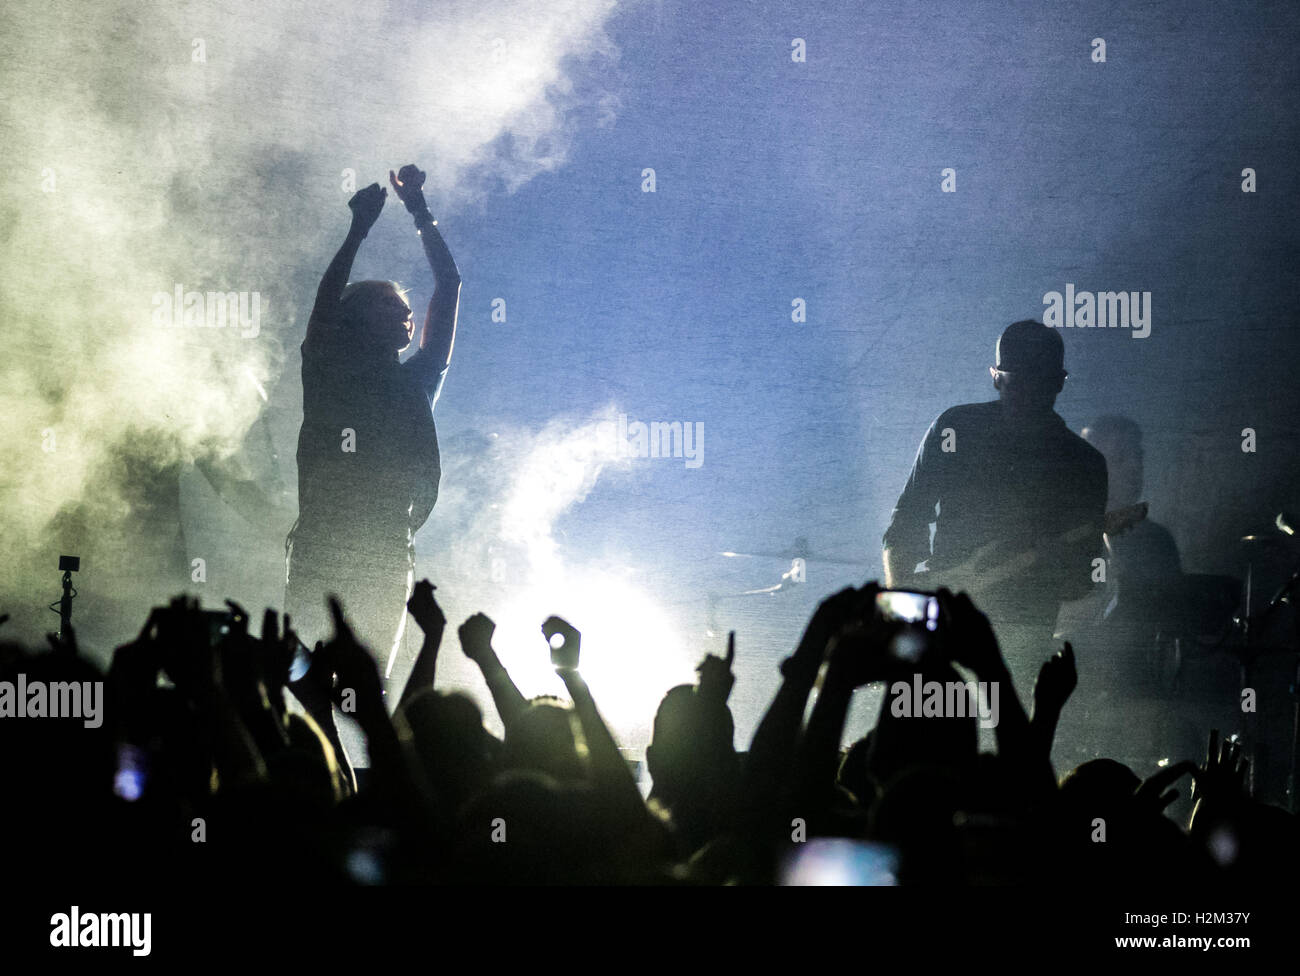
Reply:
x=631, y=654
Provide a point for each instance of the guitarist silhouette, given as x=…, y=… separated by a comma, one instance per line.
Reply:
x=1017, y=501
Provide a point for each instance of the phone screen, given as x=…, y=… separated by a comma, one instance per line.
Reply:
x=916, y=616
x=909, y=607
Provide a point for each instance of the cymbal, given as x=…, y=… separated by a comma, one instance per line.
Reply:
x=788, y=555
x=1273, y=539
x=799, y=550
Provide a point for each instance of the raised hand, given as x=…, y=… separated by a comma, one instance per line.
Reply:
x=408, y=184
x=133, y=677
x=353, y=665
x=424, y=608
x=239, y=667
x=827, y=620
x=141, y=658
x=315, y=689
x=860, y=652
x=273, y=658
x=476, y=635
x=366, y=204
x=280, y=661
x=970, y=638
x=564, y=657
x=716, y=679
x=1152, y=793
x=185, y=650
x=1222, y=777
x=1057, y=679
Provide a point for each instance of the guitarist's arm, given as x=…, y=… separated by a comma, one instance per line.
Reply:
x=907, y=540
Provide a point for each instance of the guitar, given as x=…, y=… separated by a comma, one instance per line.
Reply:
x=987, y=568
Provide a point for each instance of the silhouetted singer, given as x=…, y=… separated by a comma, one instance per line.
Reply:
x=368, y=462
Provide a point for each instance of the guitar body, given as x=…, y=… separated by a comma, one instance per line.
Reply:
x=989, y=567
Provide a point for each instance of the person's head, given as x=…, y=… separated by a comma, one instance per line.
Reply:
x=450, y=742
x=1097, y=785
x=691, y=755
x=1120, y=441
x=1029, y=368
x=379, y=315
x=541, y=739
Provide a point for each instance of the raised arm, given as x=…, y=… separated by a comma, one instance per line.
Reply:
x=366, y=205
x=439, y=334
x=1057, y=679
x=424, y=608
x=476, y=641
x=770, y=766
x=976, y=647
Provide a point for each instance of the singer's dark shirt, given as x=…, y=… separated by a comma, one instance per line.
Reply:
x=375, y=497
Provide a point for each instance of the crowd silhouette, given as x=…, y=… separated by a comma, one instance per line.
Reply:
x=219, y=761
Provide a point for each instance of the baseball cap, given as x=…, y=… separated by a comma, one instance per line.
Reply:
x=1030, y=347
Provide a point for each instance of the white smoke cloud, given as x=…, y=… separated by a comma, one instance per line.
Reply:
x=498, y=514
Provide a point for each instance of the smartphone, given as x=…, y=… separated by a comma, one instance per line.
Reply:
x=909, y=607
x=915, y=617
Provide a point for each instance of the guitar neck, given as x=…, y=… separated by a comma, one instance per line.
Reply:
x=976, y=578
